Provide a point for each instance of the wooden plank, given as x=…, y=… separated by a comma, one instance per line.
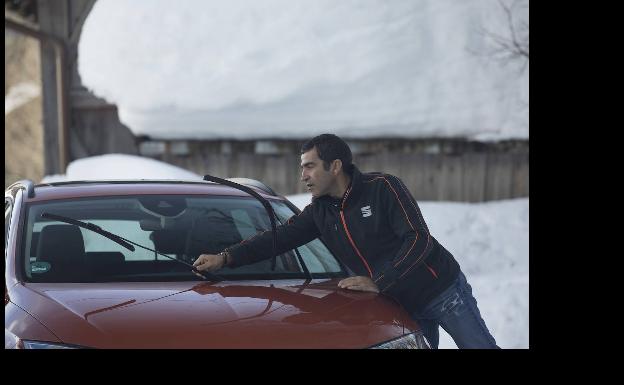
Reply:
x=498, y=177
x=218, y=165
x=390, y=163
x=196, y=161
x=520, y=183
x=451, y=178
x=50, y=111
x=416, y=175
x=52, y=18
x=366, y=163
x=409, y=172
x=431, y=169
x=293, y=175
x=421, y=188
x=473, y=188
x=276, y=174
x=413, y=174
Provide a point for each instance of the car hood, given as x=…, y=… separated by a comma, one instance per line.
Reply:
x=250, y=314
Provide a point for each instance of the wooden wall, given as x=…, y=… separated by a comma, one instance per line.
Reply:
x=458, y=172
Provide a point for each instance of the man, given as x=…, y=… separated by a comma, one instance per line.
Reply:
x=373, y=224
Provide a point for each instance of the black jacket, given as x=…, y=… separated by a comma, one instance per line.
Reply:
x=376, y=230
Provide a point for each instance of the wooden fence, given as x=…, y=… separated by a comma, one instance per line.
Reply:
x=467, y=177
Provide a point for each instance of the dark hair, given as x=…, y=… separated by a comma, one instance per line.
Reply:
x=329, y=148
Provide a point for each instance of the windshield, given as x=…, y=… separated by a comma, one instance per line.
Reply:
x=182, y=227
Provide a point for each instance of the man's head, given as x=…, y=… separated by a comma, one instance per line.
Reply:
x=325, y=160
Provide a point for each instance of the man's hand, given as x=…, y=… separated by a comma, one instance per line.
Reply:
x=209, y=262
x=358, y=283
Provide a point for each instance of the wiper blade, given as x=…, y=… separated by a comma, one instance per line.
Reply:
x=125, y=242
x=90, y=226
x=272, y=216
x=263, y=201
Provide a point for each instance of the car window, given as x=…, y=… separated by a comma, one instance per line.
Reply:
x=315, y=255
x=181, y=227
x=94, y=242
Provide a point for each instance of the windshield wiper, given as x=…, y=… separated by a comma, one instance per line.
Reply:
x=90, y=226
x=272, y=216
x=124, y=242
x=262, y=200
x=227, y=218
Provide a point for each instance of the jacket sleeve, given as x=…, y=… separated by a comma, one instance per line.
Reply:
x=408, y=224
x=299, y=230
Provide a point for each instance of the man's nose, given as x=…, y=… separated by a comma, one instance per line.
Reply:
x=304, y=177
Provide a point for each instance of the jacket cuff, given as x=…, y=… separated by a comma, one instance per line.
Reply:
x=237, y=254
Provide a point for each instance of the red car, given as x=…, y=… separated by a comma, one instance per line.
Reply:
x=108, y=264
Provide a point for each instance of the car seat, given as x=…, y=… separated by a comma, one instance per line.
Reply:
x=62, y=246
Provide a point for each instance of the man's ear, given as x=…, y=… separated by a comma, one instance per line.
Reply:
x=336, y=166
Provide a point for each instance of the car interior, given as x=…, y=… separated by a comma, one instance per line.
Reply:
x=62, y=252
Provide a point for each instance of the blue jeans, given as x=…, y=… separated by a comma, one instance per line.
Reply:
x=455, y=309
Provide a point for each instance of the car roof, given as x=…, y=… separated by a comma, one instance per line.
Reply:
x=97, y=188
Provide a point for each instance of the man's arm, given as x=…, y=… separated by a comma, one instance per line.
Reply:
x=299, y=230
x=408, y=224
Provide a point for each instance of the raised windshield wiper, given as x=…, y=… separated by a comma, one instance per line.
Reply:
x=124, y=242
x=262, y=200
x=270, y=212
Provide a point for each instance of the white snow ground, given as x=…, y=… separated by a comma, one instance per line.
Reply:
x=489, y=240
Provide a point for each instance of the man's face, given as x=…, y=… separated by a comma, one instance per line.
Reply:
x=318, y=180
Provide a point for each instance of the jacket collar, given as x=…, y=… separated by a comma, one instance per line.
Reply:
x=355, y=189
x=352, y=192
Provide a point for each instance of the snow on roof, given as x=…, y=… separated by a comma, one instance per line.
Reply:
x=121, y=166
x=293, y=69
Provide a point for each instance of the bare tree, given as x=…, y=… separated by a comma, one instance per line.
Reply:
x=514, y=45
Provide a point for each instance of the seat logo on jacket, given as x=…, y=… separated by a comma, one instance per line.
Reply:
x=366, y=211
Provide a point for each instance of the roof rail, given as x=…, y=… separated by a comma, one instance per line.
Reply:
x=117, y=181
x=253, y=183
x=25, y=184
x=30, y=187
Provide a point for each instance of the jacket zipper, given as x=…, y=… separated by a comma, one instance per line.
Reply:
x=344, y=224
x=353, y=244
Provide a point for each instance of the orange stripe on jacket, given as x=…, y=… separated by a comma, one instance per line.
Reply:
x=411, y=225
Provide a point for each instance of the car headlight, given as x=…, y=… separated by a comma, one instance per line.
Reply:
x=408, y=341
x=11, y=341
x=44, y=345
